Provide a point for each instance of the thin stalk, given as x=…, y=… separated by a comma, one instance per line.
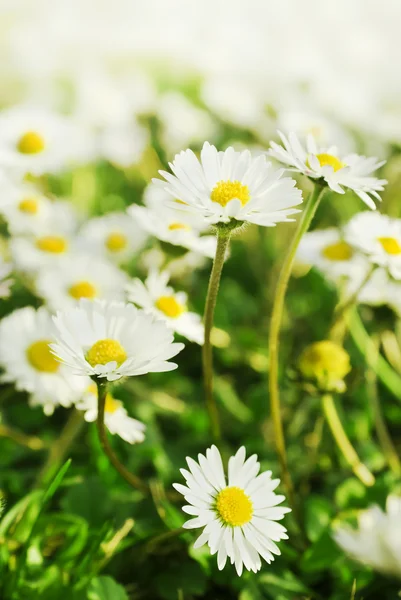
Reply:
x=61, y=446
x=343, y=443
x=390, y=378
x=383, y=434
x=223, y=240
x=29, y=441
x=130, y=478
x=275, y=325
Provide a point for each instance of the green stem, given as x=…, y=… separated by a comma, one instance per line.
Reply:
x=29, y=441
x=363, y=342
x=133, y=480
x=383, y=434
x=343, y=443
x=275, y=325
x=223, y=240
x=61, y=446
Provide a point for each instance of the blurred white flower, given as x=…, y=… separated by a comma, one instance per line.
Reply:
x=379, y=238
x=159, y=299
x=26, y=209
x=123, y=145
x=338, y=171
x=170, y=224
x=116, y=417
x=239, y=515
x=226, y=186
x=380, y=290
x=115, y=236
x=327, y=250
x=28, y=362
x=79, y=276
x=377, y=541
x=113, y=340
x=37, y=141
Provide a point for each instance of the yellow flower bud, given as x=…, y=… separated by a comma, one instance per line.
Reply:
x=326, y=364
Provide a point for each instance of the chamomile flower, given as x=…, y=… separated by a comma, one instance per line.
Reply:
x=238, y=514
x=26, y=209
x=381, y=290
x=113, y=340
x=123, y=145
x=377, y=541
x=80, y=276
x=45, y=249
x=37, y=141
x=115, y=236
x=230, y=186
x=159, y=299
x=337, y=171
x=116, y=417
x=170, y=224
x=25, y=355
x=327, y=251
x=379, y=238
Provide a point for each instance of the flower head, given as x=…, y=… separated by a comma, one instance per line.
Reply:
x=326, y=364
x=116, y=417
x=27, y=360
x=337, y=171
x=159, y=299
x=377, y=540
x=230, y=186
x=112, y=340
x=239, y=513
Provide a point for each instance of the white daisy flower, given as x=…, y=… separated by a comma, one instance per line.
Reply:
x=5, y=281
x=80, y=276
x=170, y=224
x=159, y=299
x=115, y=236
x=230, y=185
x=327, y=250
x=113, y=340
x=123, y=145
x=39, y=141
x=25, y=355
x=26, y=209
x=377, y=541
x=379, y=238
x=381, y=290
x=350, y=171
x=239, y=515
x=116, y=417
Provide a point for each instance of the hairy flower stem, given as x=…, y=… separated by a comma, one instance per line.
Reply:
x=343, y=443
x=275, y=324
x=134, y=481
x=223, y=240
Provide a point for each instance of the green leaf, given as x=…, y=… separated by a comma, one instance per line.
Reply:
x=187, y=576
x=105, y=588
x=321, y=555
x=318, y=513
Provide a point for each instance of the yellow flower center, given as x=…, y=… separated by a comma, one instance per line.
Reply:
x=170, y=307
x=330, y=160
x=175, y=226
x=390, y=245
x=326, y=362
x=338, y=251
x=41, y=358
x=111, y=404
x=82, y=289
x=234, y=507
x=29, y=206
x=31, y=142
x=224, y=191
x=105, y=351
x=54, y=244
x=116, y=241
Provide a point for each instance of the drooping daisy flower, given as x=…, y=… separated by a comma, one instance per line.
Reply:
x=39, y=141
x=25, y=355
x=377, y=541
x=327, y=250
x=113, y=340
x=80, y=276
x=170, y=224
x=379, y=238
x=5, y=281
x=159, y=299
x=115, y=236
x=230, y=185
x=116, y=417
x=337, y=171
x=239, y=514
